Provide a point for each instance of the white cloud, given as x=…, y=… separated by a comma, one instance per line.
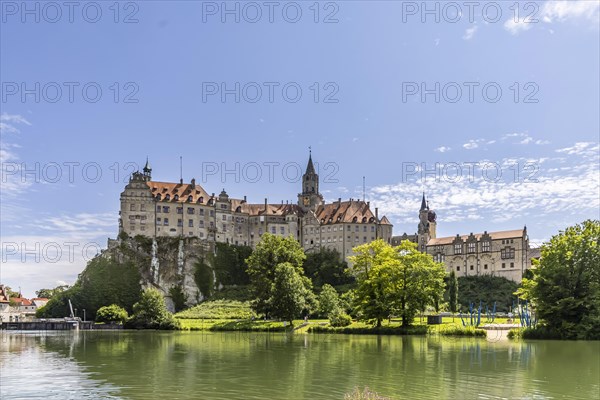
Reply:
x=555, y=11
x=472, y=144
x=581, y=148
x=564, y=10
x=442, y=149
x=470, y=32
x=543, y=192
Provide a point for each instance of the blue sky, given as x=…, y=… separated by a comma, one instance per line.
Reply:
x=371, y=63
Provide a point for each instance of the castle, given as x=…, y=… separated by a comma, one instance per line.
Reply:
x=151, y=208
x=502, y=253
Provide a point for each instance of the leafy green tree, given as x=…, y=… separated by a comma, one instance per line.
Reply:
x=50, y=293
x=290, y=292
x=327, y=266
x=395, y=280
x=453, y=292
x=565, y=289
x=112, y=313
x=103, y=282
x=270, y=252
x=151, y=312
x=179, y=297
x=328, y=300
x=204, y=278
x=229, y=264
x=488, y=289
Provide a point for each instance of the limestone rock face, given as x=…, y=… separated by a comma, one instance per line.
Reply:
x=164, y=264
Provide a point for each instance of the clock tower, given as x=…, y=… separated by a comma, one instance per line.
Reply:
x=310, y=197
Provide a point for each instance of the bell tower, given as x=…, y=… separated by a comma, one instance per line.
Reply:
x=310, y=197
x=427, y=224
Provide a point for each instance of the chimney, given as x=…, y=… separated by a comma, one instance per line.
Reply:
x=376, y=214
x=193, y=183
x=181, y=181
x=340, y=200
x=265, y=204
x=244, y=199
x=368, y=204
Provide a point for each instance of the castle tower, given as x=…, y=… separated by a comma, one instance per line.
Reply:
x=147, y=170
x=427, y=224
x=310, y=197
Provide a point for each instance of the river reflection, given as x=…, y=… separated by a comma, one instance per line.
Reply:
x=200, y=365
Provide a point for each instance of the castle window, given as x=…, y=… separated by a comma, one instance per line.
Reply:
x=158, y=197
x=372, y=229
x=364, y=239
x=190, y=210
x=484, y=266
x=458, y=268
x=212, y=213
x=471, y=247
x=224, y=227
x=458, y=248
x=364, y=228
x=189, y=199
x=165, y=209
x=354, y=219
x=223, y=206
x=132, y=207
x=201, y=211
x=282, y=230
x=179, y=222
x=273, y=230
x=472, y=268
x=507, y=253
x=356, y=228
x=224, y=217
x=201, y=199
x=512, y=264
x=179, y=210
x=142, y=207
x=202, y=223
x=157, y=209
x=486, y=246
x=201, y=234
x=503, y=265
x=191, y=223
x=158, y=220
x=166, y=222
x=238, y=209
x=168, y=197
x=176, y=198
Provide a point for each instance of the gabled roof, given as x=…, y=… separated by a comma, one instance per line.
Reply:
x=21, y=301
x=513, y=234
x=183, y=190
x=344, y=211
x=385, y=221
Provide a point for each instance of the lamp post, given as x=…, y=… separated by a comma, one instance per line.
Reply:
x=84, y=315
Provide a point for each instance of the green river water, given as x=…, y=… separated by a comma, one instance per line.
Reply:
x=200, y=365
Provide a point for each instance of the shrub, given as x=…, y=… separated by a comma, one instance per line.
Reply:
x=151, y=313
x=339, y=318
x=112, y=313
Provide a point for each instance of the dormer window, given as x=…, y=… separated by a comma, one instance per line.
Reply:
x=176, y=198
x=201, y=199
x=486, y=246
x=189, y=199
x=168, y=197
x=354, y=219
x=158, y=196
x=364, y=220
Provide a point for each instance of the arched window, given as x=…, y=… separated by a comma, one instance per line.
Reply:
x=201, y=199
x=168, y=197
x=176, y=198
x=364, y=219
x=158, y=196
x=189, y=198
x=354, y=219
x=238, y=209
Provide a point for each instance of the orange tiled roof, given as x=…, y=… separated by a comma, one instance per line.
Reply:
x=516, y=233
x=21, y=301
x=182, y=190
x=345, y=211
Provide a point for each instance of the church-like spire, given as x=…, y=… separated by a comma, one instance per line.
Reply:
x=424, y=203
x=147, y=167
x=310, y=168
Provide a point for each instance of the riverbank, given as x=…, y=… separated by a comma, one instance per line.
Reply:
x=393, y=327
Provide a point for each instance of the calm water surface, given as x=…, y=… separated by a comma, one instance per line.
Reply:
x=197, y=365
